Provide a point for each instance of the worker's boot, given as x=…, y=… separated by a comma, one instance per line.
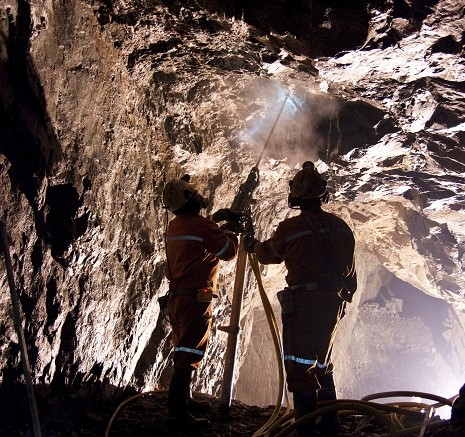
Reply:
x=198, y=406
x=305, y=403
x=178, y=400
x=329, y=423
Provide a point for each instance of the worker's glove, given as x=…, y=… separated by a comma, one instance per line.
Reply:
x=226, y=214
x=250, y=243
x=236, y=222
x=230, y=227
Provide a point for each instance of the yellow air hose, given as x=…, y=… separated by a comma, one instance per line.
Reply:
x=364, y=407
x=274, y=328
x=125, y=402
x=285, y=423
x=282, y=426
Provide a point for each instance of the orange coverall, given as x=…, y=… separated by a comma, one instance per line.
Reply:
x=195, y=245
x=318, y=251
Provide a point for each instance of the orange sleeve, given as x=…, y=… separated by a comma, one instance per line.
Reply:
x=221, y=244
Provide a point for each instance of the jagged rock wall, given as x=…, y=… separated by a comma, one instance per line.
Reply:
x=403, y=196
x=89, y=238
x=102, y=102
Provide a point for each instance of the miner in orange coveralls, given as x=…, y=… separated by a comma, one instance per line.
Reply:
x=317, y=248
x=194, y=246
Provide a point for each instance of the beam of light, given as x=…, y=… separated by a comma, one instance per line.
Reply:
x=295, y=104
x=447, y=389
x=258, y=124
x=269, y=99
x=296, y=136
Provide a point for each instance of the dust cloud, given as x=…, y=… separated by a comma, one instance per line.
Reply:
x=287, y=122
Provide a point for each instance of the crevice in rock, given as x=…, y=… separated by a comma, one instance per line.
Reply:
x=357, y=124
x=64, y=373
x=415, y=11
x=37, y=256
x=160, y=336
x=447, y=44
x=159, y=47
x=52, y=304
x=61, y=223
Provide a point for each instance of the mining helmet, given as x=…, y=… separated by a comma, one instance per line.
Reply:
x=307, y=184
x=177, y=193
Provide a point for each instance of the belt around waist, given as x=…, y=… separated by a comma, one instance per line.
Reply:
x=311, y=286
x=187, y=291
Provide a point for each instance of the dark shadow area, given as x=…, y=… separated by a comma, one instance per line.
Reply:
x=61, y=221
x=326, y=27
x=28, y=141
x=128, y=413
x=27, y=138
x=356, y=125
x=52, y=304
x=414, y=11
x=70, y=411
x=447, y=44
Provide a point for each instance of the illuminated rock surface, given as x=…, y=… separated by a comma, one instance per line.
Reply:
x=102, y=102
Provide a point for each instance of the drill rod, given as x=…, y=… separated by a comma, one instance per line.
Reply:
x=233, y=330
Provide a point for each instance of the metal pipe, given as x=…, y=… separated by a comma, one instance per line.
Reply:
x=19, y=330
x=233, y=330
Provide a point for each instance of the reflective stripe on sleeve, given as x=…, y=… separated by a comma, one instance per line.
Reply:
x=189, y=350
x=310, y=232
x=305, y=361
x=298, y=235
x=186, y=237
x=223, y=250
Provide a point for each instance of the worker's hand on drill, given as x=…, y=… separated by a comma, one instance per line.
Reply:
x=250, y=243
x=230, y=227
x=226, y=214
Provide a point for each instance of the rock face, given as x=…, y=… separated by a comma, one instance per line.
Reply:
x=103, y=102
